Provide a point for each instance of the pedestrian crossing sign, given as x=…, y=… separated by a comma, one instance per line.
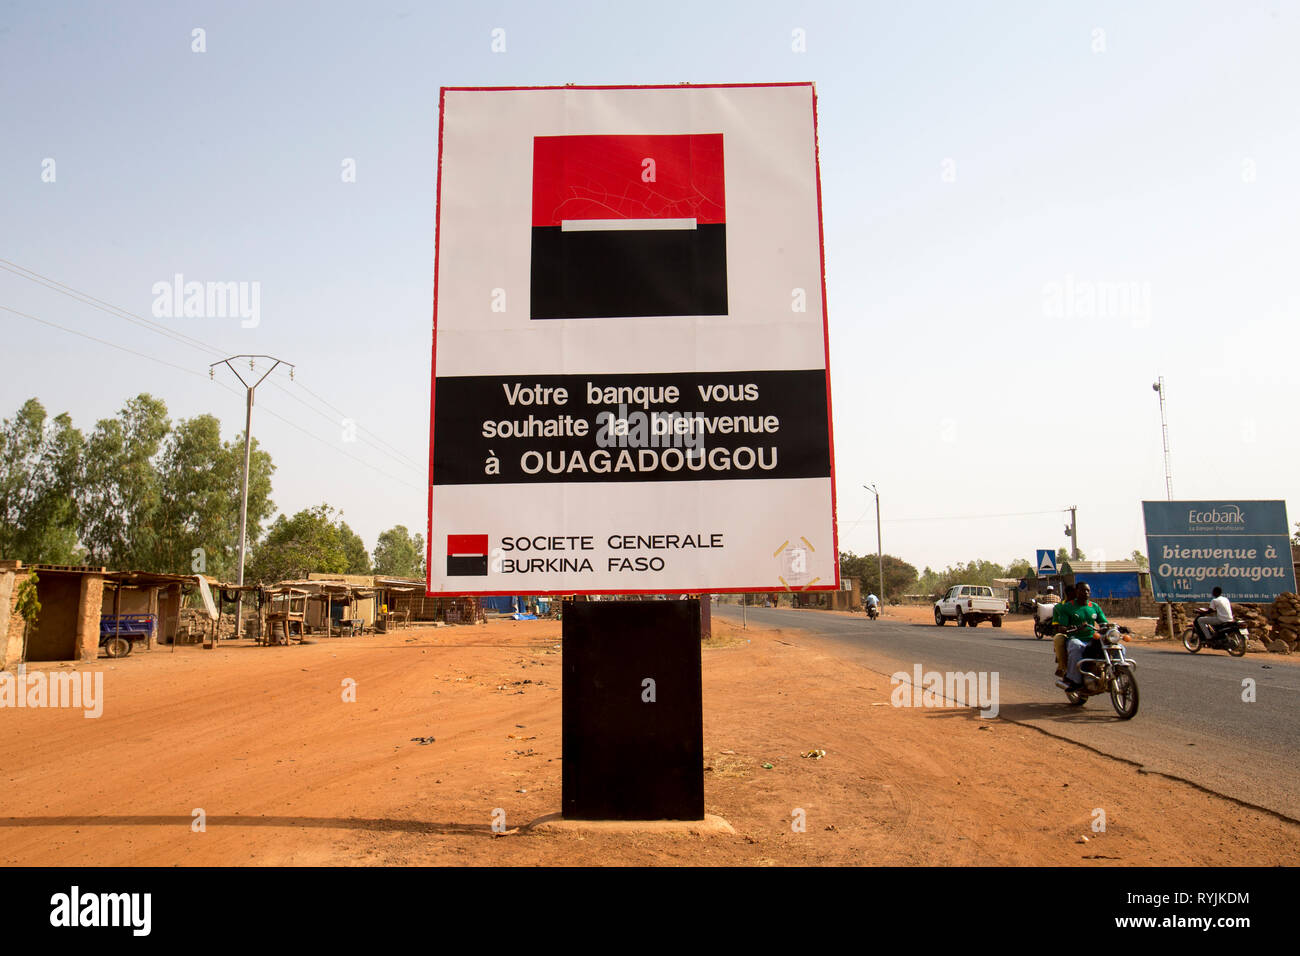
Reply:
x=1046, y=562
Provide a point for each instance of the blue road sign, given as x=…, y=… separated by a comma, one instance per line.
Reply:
x=1243, y=547
x=1046, y=562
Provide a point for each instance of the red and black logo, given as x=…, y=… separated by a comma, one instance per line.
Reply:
x=467, y=554
x=628, y=226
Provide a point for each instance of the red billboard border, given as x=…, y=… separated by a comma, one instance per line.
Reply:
x=826, y=337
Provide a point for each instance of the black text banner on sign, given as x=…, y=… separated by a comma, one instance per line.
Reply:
x=695, y=426
x=631, y=388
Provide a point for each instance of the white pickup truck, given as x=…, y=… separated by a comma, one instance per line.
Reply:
x=968, y=604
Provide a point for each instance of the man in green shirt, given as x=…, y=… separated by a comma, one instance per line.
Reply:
x=1083, y=616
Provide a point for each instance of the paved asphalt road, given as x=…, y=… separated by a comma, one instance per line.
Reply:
x=1192, y=722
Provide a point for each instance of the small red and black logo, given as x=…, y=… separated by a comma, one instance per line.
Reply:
x=467, y=554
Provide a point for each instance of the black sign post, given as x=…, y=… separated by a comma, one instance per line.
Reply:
x=633, y=711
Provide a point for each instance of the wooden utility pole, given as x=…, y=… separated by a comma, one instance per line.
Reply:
x=880, y=554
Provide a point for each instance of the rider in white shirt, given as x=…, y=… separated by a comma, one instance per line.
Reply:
x=873, y=601
x=1221, y=613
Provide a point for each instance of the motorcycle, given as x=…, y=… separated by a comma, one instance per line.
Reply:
x=1230, y=636
x=873, y=611
x=1043, y=626
x=1111, y=673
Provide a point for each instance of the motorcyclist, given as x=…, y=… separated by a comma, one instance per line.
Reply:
x=1058, y=625
x=1081, y=619
x=1220, y=614
x=873, y=602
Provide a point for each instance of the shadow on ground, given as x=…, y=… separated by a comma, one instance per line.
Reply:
x=319, y=823
x=1097, y=710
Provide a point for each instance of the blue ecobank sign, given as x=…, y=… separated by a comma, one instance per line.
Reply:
x=1243, y=547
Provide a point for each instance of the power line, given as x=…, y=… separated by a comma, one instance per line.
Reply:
x=231, y=389
x=116, y=311
x=86, y=298
x=858, y=520
x=394, y=450
x=112, y=345
x=400, y=481
x=401, y=460
x=1008, y=514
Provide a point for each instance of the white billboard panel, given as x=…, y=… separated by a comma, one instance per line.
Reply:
x=631, y=388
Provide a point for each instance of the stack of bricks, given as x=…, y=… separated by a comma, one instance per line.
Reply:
x=1182, y=620
x=1275, y=625
x=1284, y=619
x=1256, y=617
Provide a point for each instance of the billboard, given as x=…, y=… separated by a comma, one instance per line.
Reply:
x=1243, y=547
x=631, y=385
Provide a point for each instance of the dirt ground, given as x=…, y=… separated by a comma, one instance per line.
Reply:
x=284, y=771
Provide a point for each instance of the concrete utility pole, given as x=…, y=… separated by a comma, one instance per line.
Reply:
x=1159, y=387
x=248, y=450
x=1073, y=532
x=880, y=554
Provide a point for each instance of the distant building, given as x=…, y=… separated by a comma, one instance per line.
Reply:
x=1108, y=580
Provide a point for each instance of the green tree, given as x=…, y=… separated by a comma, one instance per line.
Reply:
x=314, y=539
x=121, y=491
x=354, y=550
x=927, y=581
x=399, y=554
x=40, y=462
x=1020, y=568
x=1063, y=555
x=27, y=605
x=979, y=572
x=1140, y=558
x=138, y=494
x=900, y=577
x=198, y=510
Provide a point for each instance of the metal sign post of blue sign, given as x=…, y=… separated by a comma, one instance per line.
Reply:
x=1046, y=562
x=1243, y=547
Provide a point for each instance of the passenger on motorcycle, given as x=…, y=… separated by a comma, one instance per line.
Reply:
x=1220, y=614
x=1081, y=619
x=1058, y=621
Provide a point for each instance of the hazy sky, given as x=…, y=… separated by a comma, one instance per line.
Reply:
x=1030, y=211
